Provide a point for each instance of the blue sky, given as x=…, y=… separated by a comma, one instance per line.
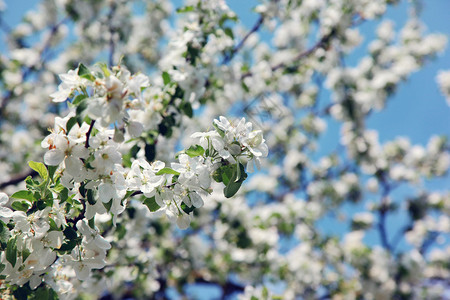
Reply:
x=417, y=110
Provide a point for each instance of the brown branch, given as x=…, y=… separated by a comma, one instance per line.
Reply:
x=17, y=179
x=27, y=71
x=382, y=212
x=238, y=47
x=322, y=43
x=112, y=30
x=88, y=134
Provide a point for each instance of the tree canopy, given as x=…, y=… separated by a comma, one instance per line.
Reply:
x=152, y=149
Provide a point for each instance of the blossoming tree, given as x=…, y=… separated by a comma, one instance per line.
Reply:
x=141, y=188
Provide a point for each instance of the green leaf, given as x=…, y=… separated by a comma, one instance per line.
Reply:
x=68, y=246
x=166, y=78
x=91, y=223
x=108, y=205
x=186, y=107
x=27, y=195
x=231, y=189
x=150, y=151
x=41, y=205
x=224, y=173
x=31, y=184
x=4, y=235
x=70, y=233
x=64, y=194
x=185, y=9
x=20, y=205
x=40, y=168
x=41, y=294
x=57, y=188
x=80, y=109
x=11, y=251
x=25, y=254
x=151, y=204
x=220, y=131
x=228, y=31
x=234, y=184
x=90, y=197
x=186, y=208
x=195, y=150
x=238, y=172
x=167, y=171
x=53, y=226
x=22, y=292
x=51, y=171
x=104, y=68
x=84, y=72
x=72, y=121
x=77, y=100
x=121, y=231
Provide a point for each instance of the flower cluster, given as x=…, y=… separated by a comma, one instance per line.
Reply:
x=87, y=225
x=57, y=220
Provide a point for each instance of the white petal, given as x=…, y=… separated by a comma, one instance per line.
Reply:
x=54, y=157
x=35, y=281
x=3, y=199
x=197, y=201
x=102, y=243
x=81, y=270
x=80, y=151
x=135, y=128
x=73, y=166
x=105, y=192
x=6, y=212
x=183, y=221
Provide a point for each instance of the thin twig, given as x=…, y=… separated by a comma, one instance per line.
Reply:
x=398, y=237
x=88, y=134
x=238, y=47
x=16, y=180
x=28, y=70
x=319, y=44
x=431, y=238
x=112, y=45
x=81, y=215
x=382, y=213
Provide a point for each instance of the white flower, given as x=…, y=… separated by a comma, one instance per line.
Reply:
x=183, y=221
x=254, y=141
x=196, y=199
x=31, y=269
x=143, y=176
x=35, y=224
x=193, y=172
x=204, y=137
x=443, y=79
x=70, y=83
x=135, y=128
x=5, y=213
x=136, y=83
x=92, y=236
x=106, y=158
x=53, y=239
x=84, y=266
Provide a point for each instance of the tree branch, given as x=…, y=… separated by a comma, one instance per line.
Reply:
x=324, y=41
x=382, y=213
x=88, y=134
x=238, y=47
x=112, y=45
x=16, y=180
